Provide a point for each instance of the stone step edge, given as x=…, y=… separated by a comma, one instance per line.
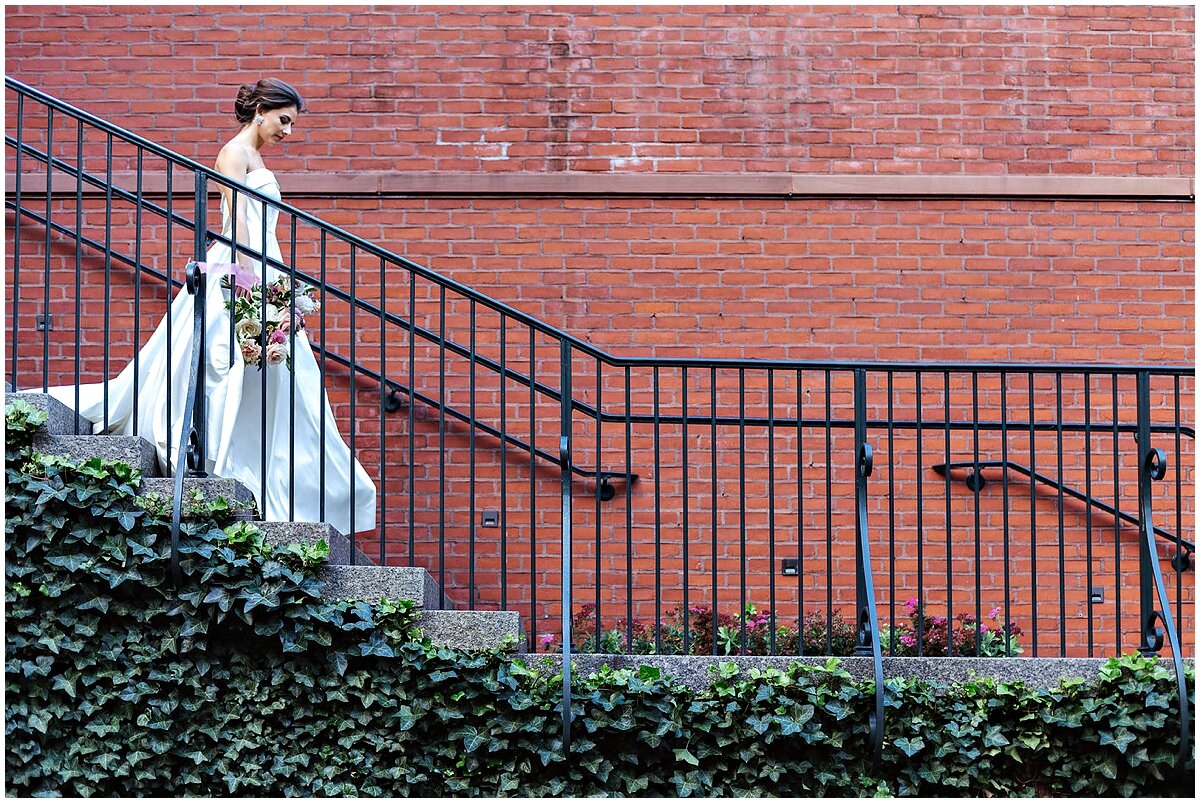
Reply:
x=473, y=630
x=60, y=419
x=133, y=451
x=372, y=583
x=341, y=550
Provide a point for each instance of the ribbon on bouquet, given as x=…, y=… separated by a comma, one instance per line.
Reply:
x=240, y=275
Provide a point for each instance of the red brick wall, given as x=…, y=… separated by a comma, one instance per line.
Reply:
x=930, y=90
x=1057, y=92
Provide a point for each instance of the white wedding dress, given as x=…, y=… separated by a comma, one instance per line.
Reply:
x=290, y=489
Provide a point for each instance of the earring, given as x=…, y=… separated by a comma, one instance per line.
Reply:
x=259, y=119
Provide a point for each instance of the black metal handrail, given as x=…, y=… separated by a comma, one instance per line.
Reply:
x=568, y=405
x=191, y=435
x=975, y=481
x=1153, y=467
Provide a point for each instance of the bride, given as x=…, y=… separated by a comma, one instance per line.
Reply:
x=307, y=476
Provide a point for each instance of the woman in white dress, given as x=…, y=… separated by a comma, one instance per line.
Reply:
x=290, y=489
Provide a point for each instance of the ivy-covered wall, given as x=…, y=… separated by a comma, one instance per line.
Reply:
x=244, y=681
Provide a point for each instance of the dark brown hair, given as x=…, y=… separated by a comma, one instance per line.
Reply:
x=267, y=94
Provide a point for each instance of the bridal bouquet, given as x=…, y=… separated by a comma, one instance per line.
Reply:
x=273, y=304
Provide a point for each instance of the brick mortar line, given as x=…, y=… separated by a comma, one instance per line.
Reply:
x=779, y=185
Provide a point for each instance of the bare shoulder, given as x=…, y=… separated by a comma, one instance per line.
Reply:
x=233, y=160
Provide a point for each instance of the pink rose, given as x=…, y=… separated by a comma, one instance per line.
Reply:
x=276, y=353
x=251, y=352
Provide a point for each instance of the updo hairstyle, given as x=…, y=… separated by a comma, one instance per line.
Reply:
x=267, y=94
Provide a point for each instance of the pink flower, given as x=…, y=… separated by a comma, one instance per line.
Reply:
x=908, y=640
x=278, y=336
x=251, y=352
x=276, y=353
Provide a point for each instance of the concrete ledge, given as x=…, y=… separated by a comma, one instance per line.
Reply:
x=210, y=488
x=471, y=630
x=693, y=670
x=282, y=533
x=137, y=452
x=61, y=419
x=371, y=583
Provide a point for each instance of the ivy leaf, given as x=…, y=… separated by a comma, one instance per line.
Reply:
x=256, y=598
x=685, y=755
x=1120, y=738
x=910, y=746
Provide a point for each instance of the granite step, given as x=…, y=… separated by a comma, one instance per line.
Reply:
x=373, y=583
x=209, y=489
x=472, y=630
x=282, y=533
x=61, y=419
x=137, y=452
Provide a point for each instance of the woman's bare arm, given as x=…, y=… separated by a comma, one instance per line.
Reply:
x=233, y=162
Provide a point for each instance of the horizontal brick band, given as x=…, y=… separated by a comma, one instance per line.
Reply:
x=776, y=185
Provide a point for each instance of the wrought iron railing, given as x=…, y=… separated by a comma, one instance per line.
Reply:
x=751, y=475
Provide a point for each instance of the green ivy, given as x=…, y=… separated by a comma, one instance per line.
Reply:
x=245, y=682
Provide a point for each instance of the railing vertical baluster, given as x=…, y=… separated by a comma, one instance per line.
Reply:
x=262, y=364
x=46, y=247
x=324, y=254
x=1062, y=550
x=742, y=503
x=564, y=453
x=713, y=422
x=16, y=249
x=949, y=524
x=1116, y=452
x=79, y=275
x=471, y=464
x=200, y=412
x=683, y=401
x=412, y=383
x=381, y=498
x=108, y=276
x=350, y=472
x=868, y=620
x=533, y=577
x=1087, y=463
x=891, y=450
x=978, y=513
x=503, y=461
x=599, y=490
x=1004, y=511
x=1177, y=558
x=657, y=516
x=292, y=374
x=770, y=504
x=920, y=526
x=828, y=513
x=137, y=294
x=442, y=439
x=234, y=203
x=628, y=513
x=800, y=508
x=169, y=291
x=1033, y=564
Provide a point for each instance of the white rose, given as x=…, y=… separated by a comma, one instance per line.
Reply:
x=247, y=329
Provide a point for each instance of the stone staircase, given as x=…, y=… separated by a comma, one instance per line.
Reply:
x=343, y=578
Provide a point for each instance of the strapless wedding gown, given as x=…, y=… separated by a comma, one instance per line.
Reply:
x=291, y=489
